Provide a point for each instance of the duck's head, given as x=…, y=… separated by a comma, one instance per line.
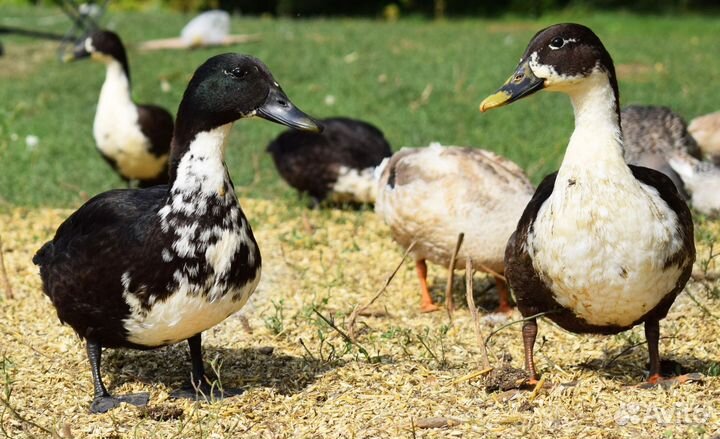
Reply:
x=100, y=45
x=229, y=87
x=561, y=58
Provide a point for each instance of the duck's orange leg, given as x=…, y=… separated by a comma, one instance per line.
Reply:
x=503, y=296
x=426, y=302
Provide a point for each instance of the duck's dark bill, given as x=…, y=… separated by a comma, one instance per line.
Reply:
x=79, y=52
x=278, y=108
x=522, y=83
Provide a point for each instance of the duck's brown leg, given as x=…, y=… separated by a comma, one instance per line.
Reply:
x=529, y=332
x=426, y=302
x=503, y=295
x=652, y=335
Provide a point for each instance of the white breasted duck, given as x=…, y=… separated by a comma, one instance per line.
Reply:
x=144, y=268
x=706, y=130
x=602, y=246
x=337, y=164
x=430, y=195
x=134, y=139
x=658, y=138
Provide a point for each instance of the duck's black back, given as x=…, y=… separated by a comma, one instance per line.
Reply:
x=310, y=162
x=91, y=250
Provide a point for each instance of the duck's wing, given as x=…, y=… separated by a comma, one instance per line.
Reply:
x=532, y=294
x=157, y=125
x=82, y=266
x=685, y=256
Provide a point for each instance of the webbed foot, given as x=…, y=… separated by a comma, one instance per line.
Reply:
x=102, y=404
x=204, y=392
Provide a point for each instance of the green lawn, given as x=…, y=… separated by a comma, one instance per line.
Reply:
x=374, y=70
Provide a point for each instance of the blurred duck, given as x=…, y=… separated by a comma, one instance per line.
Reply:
x=706, y=130
x=134, y=139
x=658, y=138
x=602, y=246
x=337, y=164
x=145, y=268
x=430, y=195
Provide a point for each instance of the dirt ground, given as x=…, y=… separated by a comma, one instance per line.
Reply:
x=408, y=374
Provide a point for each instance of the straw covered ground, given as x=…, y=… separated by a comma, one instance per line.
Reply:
x=408, y=375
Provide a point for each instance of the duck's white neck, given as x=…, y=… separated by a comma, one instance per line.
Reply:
x=202, y=168
x=597, y=139
x=115, y=92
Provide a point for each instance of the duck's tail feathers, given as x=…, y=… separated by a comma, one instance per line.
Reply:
x=45, y=254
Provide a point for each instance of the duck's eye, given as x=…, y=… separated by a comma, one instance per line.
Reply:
x=239, y=73
x=557, y=43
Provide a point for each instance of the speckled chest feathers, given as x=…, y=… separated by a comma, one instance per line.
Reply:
x=209, y=254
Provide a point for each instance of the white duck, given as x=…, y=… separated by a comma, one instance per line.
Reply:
x=430, y=195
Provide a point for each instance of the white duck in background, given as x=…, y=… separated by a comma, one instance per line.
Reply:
x=706, y=131
x=430, y=195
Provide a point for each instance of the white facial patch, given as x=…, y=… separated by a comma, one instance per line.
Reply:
x=564, y=42
x=554, y=81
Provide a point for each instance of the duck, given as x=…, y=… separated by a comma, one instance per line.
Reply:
x=657, y=137
x=602, y=246
x=337, y=164
x=706, y=131
x=134, y=139
x=430, y=195
x=142, y=268
x=701, y=178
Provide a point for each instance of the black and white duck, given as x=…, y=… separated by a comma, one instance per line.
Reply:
x=144, y=268
x=337, y=164
x=658, y=138
x=134, y=139
x=430, y=195
x=602, y=246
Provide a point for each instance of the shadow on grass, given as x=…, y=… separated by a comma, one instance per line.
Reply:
x=245, y=368
x=629, y=365
x=485, y=291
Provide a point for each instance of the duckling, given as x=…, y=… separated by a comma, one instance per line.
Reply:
x=430, y=195
x=706, y=130
x=602, y=246
x=337, y=164
x=145, y=268
x=134, y=139
x=657, y=138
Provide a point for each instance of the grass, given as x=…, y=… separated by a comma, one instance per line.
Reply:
x=418, y=81
x=302, y=376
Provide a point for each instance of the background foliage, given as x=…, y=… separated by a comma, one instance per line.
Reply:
x=429, y=8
